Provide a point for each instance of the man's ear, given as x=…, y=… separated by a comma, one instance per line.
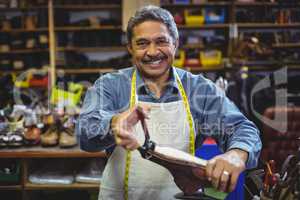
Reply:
x=129, y=48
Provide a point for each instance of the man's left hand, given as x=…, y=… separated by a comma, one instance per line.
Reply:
x=223, y=170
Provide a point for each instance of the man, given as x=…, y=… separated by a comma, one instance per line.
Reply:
x=174, y=101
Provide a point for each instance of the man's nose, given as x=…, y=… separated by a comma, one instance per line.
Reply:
x=152, y=50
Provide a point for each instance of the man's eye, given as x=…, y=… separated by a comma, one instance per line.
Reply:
x=162, y=42
x=143, y=43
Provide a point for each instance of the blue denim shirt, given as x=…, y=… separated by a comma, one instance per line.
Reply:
x=213, y=113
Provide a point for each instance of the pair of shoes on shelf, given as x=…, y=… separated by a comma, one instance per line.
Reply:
x=12, y=138
x=50, y=137
x=65, y=138
x=4, y=129
x=32, y=135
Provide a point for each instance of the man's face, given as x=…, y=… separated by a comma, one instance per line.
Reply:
x=152, y=49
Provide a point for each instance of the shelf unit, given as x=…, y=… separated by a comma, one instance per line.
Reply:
x=204, y=26
x=22, y=30
x=231, y=6
x=101, y=27
x=25, y=155
x=92, y=49
x=88, y=7
x=24, y=51
x=267, y=25
x=11, y=187
x=73, y=186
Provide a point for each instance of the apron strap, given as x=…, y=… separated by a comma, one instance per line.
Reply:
x=133, y=100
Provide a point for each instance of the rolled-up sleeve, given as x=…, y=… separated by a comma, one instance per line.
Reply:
x=93, y=124
x=229, y=126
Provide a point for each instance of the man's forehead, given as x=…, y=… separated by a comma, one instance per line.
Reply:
x=150, y=30
x=156, y=37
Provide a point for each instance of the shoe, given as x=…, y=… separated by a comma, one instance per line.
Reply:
x=4, y=129
x=32, y=135
x=15, y=138
x=50, y=137
x=67, y=138
x=30, y=22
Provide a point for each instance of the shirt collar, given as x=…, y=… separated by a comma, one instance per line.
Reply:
x=142, y=88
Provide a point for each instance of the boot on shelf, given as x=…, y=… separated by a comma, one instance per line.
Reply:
x=30, y=22
x=50, y=137
x=67, y=138
x=32, y=135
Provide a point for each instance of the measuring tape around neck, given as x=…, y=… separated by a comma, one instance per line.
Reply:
x=133, y=98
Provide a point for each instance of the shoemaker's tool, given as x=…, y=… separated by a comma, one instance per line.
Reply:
x=271, y=179
x=286, y=184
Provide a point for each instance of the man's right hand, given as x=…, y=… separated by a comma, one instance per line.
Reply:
x=123, y=123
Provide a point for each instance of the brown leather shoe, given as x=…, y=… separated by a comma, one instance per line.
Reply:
x=32, y=135
x=50, y=137
x=30, y=22
x=67, y=138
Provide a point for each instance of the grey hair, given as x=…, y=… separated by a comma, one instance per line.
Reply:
x=152, y=13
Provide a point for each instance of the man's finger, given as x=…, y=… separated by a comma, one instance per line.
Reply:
x=144, y=110
x=118, y=140
x=124, y=142
x=132, y=146
x=216, y=175
x=225, y=178
x=233, y=180
x=209, y=168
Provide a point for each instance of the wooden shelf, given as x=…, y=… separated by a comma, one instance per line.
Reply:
x=270, y=68
x=192, y=46
x=241, y=4
x=47, y=152
x=70, y=70
x=35, y=8
x=204, y=26
x=22, y=30
x=89, y=28
x=201, y=69
x=286, y=45
x=194, y=5
x=92, y=49
x=85, y=70
x=24, y=51
x=78, y=7
x=267, y=25
x=74, y=186
x=10, y=187
x=33, y=69
x=266, y=63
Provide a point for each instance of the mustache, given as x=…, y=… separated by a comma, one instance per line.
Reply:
x=154, y=58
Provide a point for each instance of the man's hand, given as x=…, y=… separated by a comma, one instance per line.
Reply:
x=122, y=126
x=223, y=170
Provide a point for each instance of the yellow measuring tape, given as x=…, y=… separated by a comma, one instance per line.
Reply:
x=190, y=121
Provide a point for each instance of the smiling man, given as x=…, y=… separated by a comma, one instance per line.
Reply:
x=173, y=101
